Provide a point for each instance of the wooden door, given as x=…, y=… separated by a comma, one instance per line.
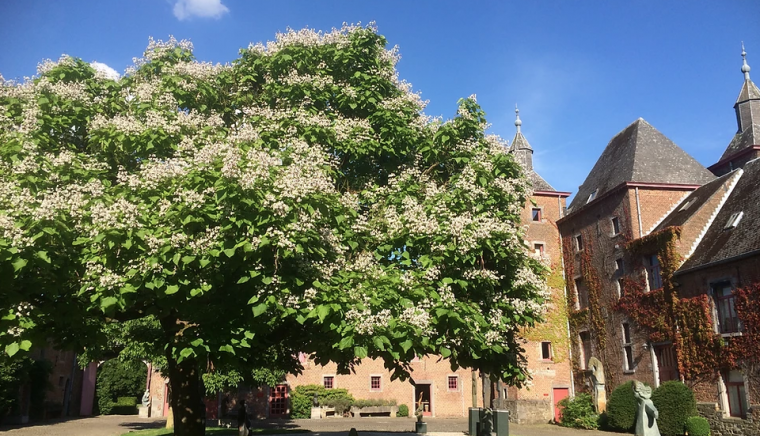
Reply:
x=666, y=362
x=559, y=395
x=278, y=401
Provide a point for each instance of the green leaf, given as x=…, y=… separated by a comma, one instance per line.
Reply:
x=227, y=348
x=186, y=352
x=11, y=349
x=406, y=345
x=323, y=311
x=107, y=302
x=242, y=280
x=229, y=252
x=258, y=310
x=346, y=342
x=19, y=263
x=43, y=255
x=360, y=352
x=171, y=289
x=445, y=352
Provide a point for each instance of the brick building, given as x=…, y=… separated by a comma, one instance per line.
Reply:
x=655, y=248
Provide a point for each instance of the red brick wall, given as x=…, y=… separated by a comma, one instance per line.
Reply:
x=445, y=403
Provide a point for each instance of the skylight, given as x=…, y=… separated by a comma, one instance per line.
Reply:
x=686, y=205
x=733, y=220
x=591, y=196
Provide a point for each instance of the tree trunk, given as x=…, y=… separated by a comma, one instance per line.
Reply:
x=186, y=401
x=474, y=389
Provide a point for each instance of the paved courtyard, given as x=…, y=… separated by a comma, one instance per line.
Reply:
x=117, y=425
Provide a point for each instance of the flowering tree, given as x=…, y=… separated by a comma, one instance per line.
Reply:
x=297, y=200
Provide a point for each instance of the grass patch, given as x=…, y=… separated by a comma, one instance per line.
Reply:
x=213, y=431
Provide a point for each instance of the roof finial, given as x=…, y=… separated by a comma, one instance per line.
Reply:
x=745, y=67
x=518, y=123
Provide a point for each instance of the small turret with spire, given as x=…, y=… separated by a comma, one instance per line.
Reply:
x=748, y=104
x=520, y=146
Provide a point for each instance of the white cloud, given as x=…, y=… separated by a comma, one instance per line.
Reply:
x=105, y=70
x=185, y=9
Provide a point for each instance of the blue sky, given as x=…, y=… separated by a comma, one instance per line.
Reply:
x=580, y=71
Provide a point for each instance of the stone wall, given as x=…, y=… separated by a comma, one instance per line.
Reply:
x=527, y=411
x=721, y=425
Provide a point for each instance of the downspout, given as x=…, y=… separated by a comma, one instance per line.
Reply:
x=569, y=339
x=638, y=212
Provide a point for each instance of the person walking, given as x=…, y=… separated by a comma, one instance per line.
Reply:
x=242, y=420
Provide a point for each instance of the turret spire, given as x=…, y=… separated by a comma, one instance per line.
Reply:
x=745, y=67
x=518, y=123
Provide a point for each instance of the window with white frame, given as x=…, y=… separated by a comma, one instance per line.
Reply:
x=628, y=348
x=582, y=293
x=619, y=266
x=725, y=307
x=585, y=340
x=736, y=393
x=654, y=274
x=615, y=225
x=578, y=242
x=328, y=381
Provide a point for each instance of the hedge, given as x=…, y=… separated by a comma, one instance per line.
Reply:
x=621, y=409
x=578, y=412
x=675, y=402
x=697, y=426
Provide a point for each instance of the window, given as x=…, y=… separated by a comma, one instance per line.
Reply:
x=615, y=226
x=578, y=243
x=621, y=287
x=736, y=394
x=591, y=196
x=536, y=214
x=725, y=305
x=546, y=350
x=538, y=249
x=687, y=204
x=453, y=383
x=627, y=347
x=654, y=277
x=582, y=293
x=328, y=381
x=619, y=266
x=585, y=338
x=374, y=383
x=733, y=220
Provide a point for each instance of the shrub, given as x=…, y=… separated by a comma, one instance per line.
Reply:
x=578, y=412
x=621, y=409
x=403, y=410
x=119, y=379
x=301, y=397
x=697, y=426
x=125, y=406
x=13, y=374
x=675, y=402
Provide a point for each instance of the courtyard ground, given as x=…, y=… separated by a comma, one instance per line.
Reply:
x=118, y=425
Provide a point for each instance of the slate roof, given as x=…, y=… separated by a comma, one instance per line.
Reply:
x=719, y=244
x=749, y=91
x=539, y=184
x=640, y=153
x=695, y=200
x=742, y=140
x=524, y=154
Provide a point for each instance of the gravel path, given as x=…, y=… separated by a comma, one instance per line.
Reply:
x=117, y=425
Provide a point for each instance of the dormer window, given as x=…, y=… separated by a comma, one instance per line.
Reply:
x=591, y=196
x=686, y=205
x=733, y=220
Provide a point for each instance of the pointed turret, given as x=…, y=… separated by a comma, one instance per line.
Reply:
x=524, y=155
x=747, y=137
x=520, y=146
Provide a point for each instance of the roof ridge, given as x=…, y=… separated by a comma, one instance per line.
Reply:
x=708, y=224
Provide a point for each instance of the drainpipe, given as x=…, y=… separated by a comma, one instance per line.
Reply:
x=638, y=212
x=569, y=339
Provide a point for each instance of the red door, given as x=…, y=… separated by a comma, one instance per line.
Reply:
x=559, y=395
x=278, y=401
